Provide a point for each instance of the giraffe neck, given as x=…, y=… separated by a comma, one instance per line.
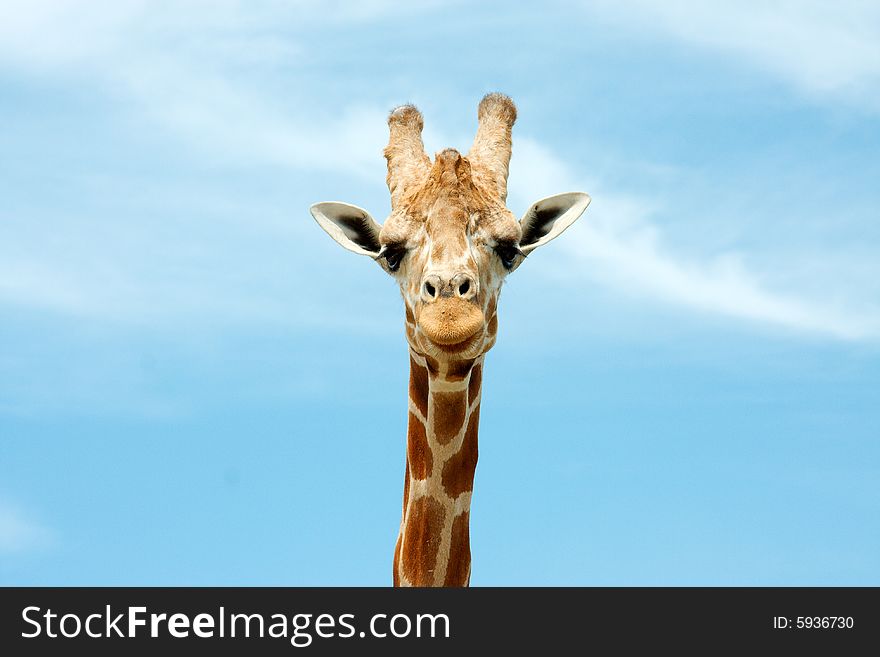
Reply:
x=433, y=547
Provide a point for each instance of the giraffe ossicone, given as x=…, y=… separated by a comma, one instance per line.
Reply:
x=449, y=242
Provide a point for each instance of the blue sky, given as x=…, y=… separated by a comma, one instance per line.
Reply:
x=198, y=387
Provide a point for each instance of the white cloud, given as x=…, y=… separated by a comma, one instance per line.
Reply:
x=616, y=244
x=190, y=81
x=821, y=47
x=18, y=532
x=187, y=68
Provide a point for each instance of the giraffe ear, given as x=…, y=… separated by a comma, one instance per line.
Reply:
x=547, y=218
x=351, y=226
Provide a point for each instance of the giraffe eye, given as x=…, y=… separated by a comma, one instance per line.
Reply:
x=393, y=255
x=508, y=253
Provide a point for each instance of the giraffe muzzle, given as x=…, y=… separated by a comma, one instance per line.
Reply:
x=450, y=320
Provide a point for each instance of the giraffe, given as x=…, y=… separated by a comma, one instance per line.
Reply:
x=449, y=243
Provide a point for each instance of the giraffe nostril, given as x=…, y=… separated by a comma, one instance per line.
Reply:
x=464, y=287
x=430, y=290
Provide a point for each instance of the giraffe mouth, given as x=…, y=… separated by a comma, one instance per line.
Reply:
x=450, y=322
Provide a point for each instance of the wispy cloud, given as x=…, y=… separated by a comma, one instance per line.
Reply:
x=18, y=532
x=618, y=243
x=821, y=47
x=190, y=73
x=188, y=69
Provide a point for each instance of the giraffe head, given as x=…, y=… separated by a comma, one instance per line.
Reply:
x=450, y=240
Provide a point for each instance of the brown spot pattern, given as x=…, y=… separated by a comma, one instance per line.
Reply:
x=437, y=250
x=409, y=314
x=433, y=366
x=406, y=485
x=422, y=540
x=418, y=451
x=458, y=567
x=418, y=386
x=458, y=471
x=397, y=561
x=458, y=369
x=491, y=306
x=475, y=383
x=493, y=325
x=450, y=409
